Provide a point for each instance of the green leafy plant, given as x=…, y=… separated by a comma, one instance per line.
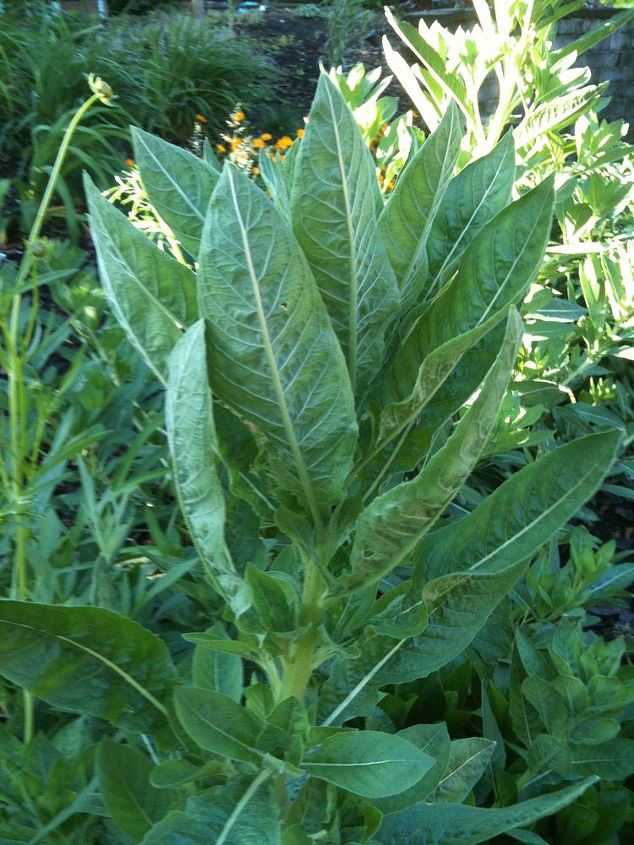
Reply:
x=349, y=22
x=391, y=140
x=535, y=87
x=334, y=369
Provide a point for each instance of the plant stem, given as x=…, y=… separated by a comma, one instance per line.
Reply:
x=17, y=389
x=298, y=667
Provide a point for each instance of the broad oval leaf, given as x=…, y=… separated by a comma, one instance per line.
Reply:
x=151, y=294
x=334, y=219
x=178, y=184
x=406, y=220
x=273, y=354
x=217, y=723
x=391, y=526
x=368, y=763
x=193, y=444
x=87, y=660
x=472, y=198
x=459, y=824
x=134, y=804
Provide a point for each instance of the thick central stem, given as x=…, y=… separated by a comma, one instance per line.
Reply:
x=298, y=666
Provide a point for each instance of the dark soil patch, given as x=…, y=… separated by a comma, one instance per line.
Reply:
x=297, y=45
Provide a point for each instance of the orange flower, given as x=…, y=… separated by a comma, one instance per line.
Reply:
x=300, y=133
x=238, y=116
x=255, y=170
x=259, y=144
x=283, y=143
x=201, y=118
x=220, y=148
x=235, y=143
x=266, y=136
x=130, y=162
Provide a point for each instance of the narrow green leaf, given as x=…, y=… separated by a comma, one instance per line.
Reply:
x=278, y=180
x=594, y=36
x=178, y=184
x=334, y=219
x=273, y=353
x=393, y=524
x=193, y=445
x=406, y=221
x=134, y=804
x=217, y=723
x=458, y=824
x=151, y=294
x=450, y=83
x=87, y=660
x=472, y=199
x=551, y=116
x=368, y=763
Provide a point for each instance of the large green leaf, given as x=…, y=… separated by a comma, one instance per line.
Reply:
x=522, y=514
x=273, y=354
x=219, y=724
x=433, y=740
x=178, y=184
x=459, y=824
x=468, y=759
x=334, y=219
x=495, y=272
x=241, y=812
x=472, y=198
x=368, y=763
x=193, y=444
x=465, y=569
x=391, y=526
x=434, y=384
x=87, y=660
x=151, y=294
x=406, y=221
x=134, y=804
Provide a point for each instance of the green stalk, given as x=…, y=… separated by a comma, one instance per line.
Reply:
x=17, y=388
x=299, y=665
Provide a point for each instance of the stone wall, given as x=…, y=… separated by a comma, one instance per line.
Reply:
x=611, y=60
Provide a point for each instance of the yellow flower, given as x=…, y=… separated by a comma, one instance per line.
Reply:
x=235, y=143
x=283, y=143
x=220, y=148
x=300, y=133
x=130, y=162
x=238, y=116
x=259, y=143
x=201, y=118
x=255, y=170
x=266, y=136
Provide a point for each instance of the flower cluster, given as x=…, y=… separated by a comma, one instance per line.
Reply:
x=242, y=147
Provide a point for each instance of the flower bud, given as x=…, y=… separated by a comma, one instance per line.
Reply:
x=100, y=88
